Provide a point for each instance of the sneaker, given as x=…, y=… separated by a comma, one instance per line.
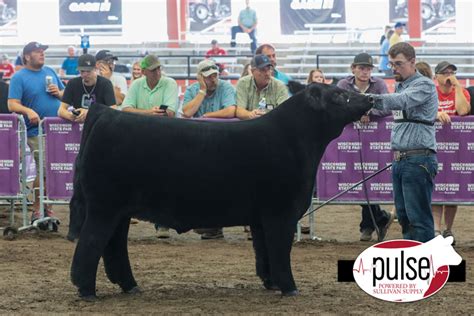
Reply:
x=35, y=216
x=366, y=235
x=218, y=234
x=449, y=233
x=163, y=232
x=383, y=230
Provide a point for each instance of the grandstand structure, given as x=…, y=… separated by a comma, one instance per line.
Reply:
x=295, y=59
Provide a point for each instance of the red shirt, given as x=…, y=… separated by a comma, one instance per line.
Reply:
x=447, y=101
x=7, y=70
x=218, y=51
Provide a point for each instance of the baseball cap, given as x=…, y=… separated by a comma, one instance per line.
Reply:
x=442, y=66
x=363, y=59
x=207, y=67
x=399, y=24
x=86, y=62
x=150, y=62
x=32, y=46
x=104, y=54
x=260, y=61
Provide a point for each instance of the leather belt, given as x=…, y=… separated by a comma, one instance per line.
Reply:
x=399, y=155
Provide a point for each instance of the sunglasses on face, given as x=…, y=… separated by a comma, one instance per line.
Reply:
x=397, y=64
x=209, y=68
x=447, y=73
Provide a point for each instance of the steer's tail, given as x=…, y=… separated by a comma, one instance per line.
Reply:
x=77, y=207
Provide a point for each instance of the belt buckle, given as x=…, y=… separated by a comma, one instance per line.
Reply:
x=399, y=155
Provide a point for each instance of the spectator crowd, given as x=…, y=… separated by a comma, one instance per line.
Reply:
x=36, y=91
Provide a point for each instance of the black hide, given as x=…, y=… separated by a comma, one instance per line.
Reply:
x=188, y=174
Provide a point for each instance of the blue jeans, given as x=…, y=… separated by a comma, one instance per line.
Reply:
x=237, y=29
x=413, y=184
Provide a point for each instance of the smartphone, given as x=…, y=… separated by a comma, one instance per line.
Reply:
x=163, y=107
x=76, y=112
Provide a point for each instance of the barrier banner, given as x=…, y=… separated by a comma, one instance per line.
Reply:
x=9, y=155
x=294, y=14
x=340, y=166
x=63, y=140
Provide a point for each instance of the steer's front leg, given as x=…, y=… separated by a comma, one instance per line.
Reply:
x=95, y=235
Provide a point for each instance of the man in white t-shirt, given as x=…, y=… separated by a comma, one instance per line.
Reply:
x=105, y=63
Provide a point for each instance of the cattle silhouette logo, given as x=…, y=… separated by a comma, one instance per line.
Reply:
x=405, y=270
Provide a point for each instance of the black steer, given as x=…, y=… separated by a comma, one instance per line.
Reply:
x=188, y=174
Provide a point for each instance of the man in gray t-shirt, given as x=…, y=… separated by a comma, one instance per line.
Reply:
x=415, y=105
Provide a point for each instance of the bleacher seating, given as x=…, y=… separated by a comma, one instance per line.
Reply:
x=294, y=59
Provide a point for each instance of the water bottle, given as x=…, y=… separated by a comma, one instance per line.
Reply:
x=262, y=106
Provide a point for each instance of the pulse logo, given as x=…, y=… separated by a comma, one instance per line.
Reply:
x=405, y=270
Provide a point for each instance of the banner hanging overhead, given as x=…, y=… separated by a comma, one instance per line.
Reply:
x=8, y=17
x=99, y=17
x=294, y=14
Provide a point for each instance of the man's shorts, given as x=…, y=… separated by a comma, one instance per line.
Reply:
x=33, y=143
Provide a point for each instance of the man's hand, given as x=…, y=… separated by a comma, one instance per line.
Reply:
x=443, y=117
x=54, y=90
x=454, y=81
x=105, y=71
x=254, y=114
x=365, y=119
x=82, y=115
x=33, y=117
x=202, y=83
x=157, y=111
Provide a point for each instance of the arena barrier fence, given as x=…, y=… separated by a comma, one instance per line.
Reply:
x=340, y=166
x=13, y=164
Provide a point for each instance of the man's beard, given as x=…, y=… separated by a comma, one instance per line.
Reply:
x=397, y=77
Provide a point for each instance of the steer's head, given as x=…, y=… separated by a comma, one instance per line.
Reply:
x=335, y=107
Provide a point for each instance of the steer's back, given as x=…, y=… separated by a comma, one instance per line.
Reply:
x=188, y=172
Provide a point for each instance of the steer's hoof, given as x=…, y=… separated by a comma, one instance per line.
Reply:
x=133, y=290
x=290, y=293
x=89, y=298
x=269, y=285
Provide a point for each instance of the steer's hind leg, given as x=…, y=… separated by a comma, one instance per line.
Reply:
x=116, y=261
x=94, y=236
x=279, y=233
x=261, y=257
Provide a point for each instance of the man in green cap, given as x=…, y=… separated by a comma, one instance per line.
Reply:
x=152, y=94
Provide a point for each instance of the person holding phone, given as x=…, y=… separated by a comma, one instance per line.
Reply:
x=151, y=93
x=209, y=96
x=84, y=91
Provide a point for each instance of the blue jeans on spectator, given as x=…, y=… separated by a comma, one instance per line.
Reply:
x=237, y=29
x=413, y=184
x=381, y=217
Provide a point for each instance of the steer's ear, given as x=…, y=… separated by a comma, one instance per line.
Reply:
x=294, y=86
x=313, y=93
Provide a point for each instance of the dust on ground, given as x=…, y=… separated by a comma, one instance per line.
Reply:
x=187, y=275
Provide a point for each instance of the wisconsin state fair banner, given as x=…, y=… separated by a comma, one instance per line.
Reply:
x=340, y=167
x=9, y=155
x=294, y=14
x=97, y=17
x=63, y=140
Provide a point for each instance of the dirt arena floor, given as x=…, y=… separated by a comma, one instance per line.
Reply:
x=187, y=275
